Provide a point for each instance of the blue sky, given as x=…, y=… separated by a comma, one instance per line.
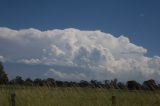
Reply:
x=96, y=38
x=136, y=19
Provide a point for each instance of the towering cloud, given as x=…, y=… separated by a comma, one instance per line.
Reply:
x=88, y=54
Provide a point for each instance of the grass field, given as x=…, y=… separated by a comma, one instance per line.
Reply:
x=44, y=96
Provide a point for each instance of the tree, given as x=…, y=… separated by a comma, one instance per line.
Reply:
x=50, y=82
x=133, y=85
x=107, y=83
x=59, y=83
x=121, y=85
x=84, y=83
x=150, y=84
x=3, y=75
x=94, y=83
x=18, y=80
x=113, y=84
x=28, y=82
x=38, y=82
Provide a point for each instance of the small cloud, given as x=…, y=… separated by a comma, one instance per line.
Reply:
x=2, y=59
x=30, y=61
x=65, y=75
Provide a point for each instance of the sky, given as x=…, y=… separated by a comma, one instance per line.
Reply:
x=129, y=28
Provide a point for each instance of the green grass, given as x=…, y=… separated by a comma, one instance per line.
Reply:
x=43, y=96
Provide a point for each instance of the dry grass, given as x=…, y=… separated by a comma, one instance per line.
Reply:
x=44, y=96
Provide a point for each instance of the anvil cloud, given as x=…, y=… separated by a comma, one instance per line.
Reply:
x=96, y=55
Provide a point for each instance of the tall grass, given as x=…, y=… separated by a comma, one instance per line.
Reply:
x=44, y=96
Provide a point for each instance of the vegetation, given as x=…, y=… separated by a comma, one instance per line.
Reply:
x=3, y=75
x=113, y=84
x=51, y=92
x=69, y=96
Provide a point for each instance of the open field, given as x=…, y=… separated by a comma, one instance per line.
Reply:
x=44, y=96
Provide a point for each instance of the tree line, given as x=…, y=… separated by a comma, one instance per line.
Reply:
x=50, y=82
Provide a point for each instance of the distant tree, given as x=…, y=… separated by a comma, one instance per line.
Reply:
x=121, y=85
x=3, y=75
x=113, y=84
x=38, y=82
x=158, y=86
x=115, y=81
x=107, y=83
x=28, y=82
x=19, y=80
x=133, y=85
x=60, y=83
x=94, y=83
x=50, y=82
x=12, y=82
x=74, y=84
x=84, y=83
x=150, y=84
x=68, y=84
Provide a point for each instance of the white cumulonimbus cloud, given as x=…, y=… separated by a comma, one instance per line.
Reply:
x=96, y=54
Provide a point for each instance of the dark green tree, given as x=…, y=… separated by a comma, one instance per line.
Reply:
x=18, y=80
x=50, y=82
x=38, y=82
x=150, y=84
x=3, y=75
x=113, y=84
x=107, y=83
x=133, y=85
x=121, y=85
x=84, y=83
x=28, y=82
